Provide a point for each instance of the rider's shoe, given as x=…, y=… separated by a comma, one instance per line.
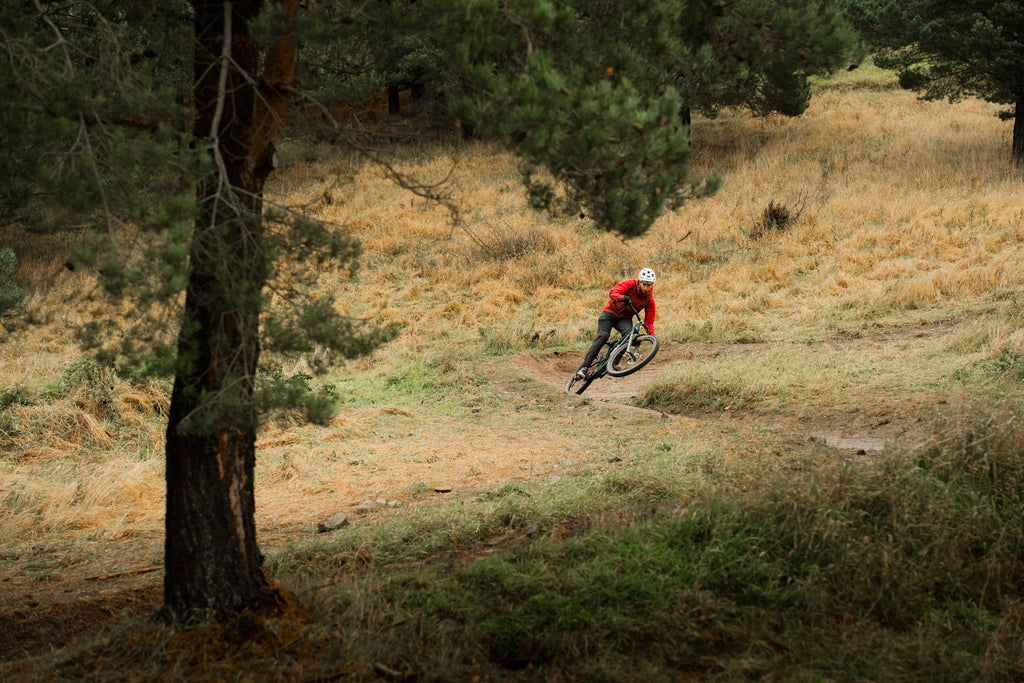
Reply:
x=580, y=374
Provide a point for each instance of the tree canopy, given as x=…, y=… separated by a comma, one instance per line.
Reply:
x=570, y=97
x=760, y=55
x=951, y=50
x=549, y=80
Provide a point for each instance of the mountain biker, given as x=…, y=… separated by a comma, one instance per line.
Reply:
x=617, y=313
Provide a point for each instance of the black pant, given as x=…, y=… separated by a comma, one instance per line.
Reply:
x=605, y=322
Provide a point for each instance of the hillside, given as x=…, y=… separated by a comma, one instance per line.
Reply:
x=806, y=362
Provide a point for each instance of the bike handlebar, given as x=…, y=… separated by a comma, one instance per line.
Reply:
x=637, y=314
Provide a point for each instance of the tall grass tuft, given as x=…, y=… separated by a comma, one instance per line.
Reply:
x=777, y=217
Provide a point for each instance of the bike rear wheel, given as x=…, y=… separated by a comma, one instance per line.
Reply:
x=626, y=360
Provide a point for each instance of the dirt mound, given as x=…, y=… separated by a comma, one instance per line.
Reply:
x=555, y=367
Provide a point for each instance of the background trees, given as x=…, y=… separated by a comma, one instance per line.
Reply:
x=549, y=82
x=171, y=149
x=760, y=55
x=566, y=87
x=952, y=50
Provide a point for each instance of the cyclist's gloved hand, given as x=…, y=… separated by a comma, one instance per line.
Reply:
x=626, y=300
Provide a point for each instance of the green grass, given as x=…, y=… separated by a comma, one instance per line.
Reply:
x=822, y=380
x=903, y=568
x=518, y=507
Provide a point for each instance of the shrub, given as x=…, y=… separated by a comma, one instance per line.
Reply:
x=777, y=218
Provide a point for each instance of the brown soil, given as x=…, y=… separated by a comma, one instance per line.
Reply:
x=555, y=367
x=51, y=602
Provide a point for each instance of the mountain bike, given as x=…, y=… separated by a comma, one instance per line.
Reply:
x=619, y=358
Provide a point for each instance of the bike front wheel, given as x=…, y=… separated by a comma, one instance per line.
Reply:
x=625, y=360
x=578, y=385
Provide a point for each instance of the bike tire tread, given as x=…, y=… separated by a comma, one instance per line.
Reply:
x=618, y=351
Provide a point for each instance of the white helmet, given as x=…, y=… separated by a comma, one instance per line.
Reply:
x=646, y=275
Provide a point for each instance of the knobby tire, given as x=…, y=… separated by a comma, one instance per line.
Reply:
x=592, y=374
x=645, y=347
x=578, y=386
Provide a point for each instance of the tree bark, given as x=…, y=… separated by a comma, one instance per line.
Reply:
x=1017, y=148
x=213, y=563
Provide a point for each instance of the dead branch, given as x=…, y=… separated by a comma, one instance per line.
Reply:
x=132, y=572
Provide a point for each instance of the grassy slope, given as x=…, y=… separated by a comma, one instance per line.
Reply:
x=583, y=542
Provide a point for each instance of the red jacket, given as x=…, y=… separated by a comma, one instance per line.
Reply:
x=640, y=301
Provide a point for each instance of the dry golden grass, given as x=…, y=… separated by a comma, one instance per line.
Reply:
x=912, y=216
x=911, y=206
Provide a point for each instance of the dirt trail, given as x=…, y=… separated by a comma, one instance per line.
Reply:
x=553, y=368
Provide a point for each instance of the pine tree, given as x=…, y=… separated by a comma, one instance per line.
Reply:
x=952, y=50
x=759, y=54
x=598, y=93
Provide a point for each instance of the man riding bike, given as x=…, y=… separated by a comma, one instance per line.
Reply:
x=617, y=312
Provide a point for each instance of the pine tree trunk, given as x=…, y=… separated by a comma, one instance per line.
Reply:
x=212, y=560
x=394, y=103
x=1017, y=149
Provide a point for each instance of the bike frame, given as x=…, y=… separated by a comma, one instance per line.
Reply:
x=601, y=364
x=602, y=359
x=619, y=349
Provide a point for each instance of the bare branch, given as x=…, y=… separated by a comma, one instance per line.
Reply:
x=431, y=191
x=61, y=42
x=222, y=86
